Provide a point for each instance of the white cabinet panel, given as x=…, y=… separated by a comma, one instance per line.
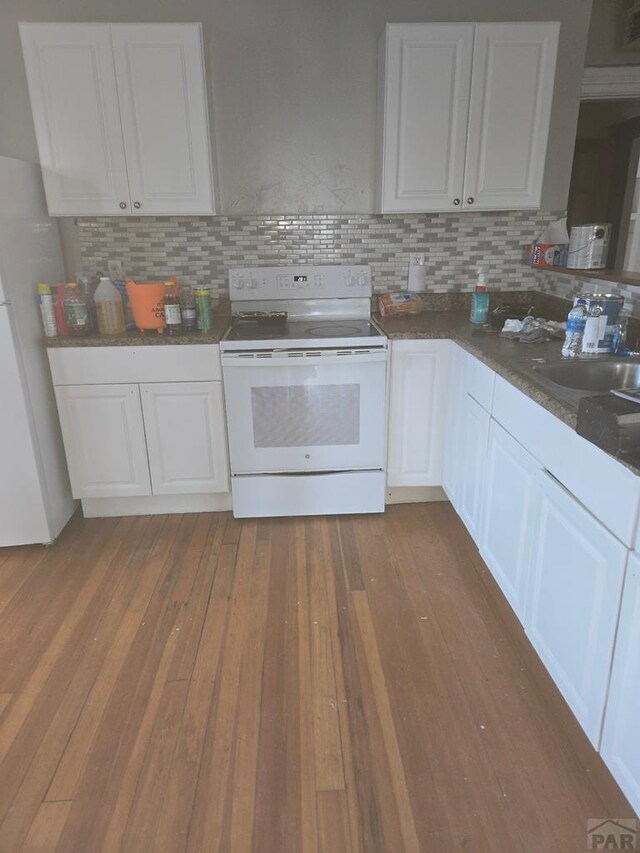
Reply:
x=104, y=440
x=509, y=515
x=452, y=463
x=510, y=108
x=576, y=581
x=464, y=115
x=427, y=76
x=121, y=119
x=606, y=487
x=473, y=437
x=74, y=101
x=621, y=733
x=161, y=87
x=186, y=437
x=417, y=409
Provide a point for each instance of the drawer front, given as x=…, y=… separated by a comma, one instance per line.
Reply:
x=478, y=381
x=604, y=486
x=107, y=365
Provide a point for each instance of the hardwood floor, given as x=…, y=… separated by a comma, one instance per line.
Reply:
x=196, y=683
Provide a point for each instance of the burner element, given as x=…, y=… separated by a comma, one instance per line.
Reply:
x=333, y=330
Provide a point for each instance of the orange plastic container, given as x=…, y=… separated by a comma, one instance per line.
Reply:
x=147, y=304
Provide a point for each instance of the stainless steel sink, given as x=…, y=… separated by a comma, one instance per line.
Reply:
x=594, y=376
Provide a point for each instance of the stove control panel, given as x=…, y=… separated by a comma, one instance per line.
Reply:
x=300, y=282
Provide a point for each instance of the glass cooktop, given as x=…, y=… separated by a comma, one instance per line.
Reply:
x=304, y=330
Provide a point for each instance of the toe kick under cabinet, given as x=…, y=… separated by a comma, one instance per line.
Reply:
x=143, y=427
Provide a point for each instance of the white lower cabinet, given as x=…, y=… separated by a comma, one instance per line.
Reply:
x=104, y=440
x=577, y=571
x=417, y=408
x=186, y=439
x=155, y=443
x=621, y=733
x=509, y=514
x=472, y=437
x=451, y=467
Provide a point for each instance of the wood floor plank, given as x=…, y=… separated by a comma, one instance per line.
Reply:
x=380, y=695
x=213, y=797
x=204, y=683
x=326, y=724
x=73, y=675
x=333, y=822
x=47, y=827
x=71, y=767
x=5, y=698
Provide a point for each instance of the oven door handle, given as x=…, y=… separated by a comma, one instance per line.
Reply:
x=302, y=360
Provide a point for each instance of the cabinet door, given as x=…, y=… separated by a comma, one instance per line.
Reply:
x=77, y=121
x=417, y=409
x=621, y=734
x=508, y=516
x=573, y=601
x=186, y=437
x=510, y=108
x=426, y=70
x=163, y=103
x=473, y=436
x=452, y=462
x=104, y=440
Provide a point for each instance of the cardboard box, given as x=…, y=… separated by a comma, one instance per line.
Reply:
x=546, y=255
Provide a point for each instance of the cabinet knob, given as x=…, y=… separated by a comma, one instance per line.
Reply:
x=123, y=205
x=470, y=200
x=137, y=205
x=456, y=201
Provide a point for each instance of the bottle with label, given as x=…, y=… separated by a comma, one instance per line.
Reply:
x=62, y=327
x=109, y=309
x=203, y=309
x=619, y=340
x=87, y=286
x=46, y=310
x=76, y=310
x=480, y=301
x=594, y=329
x=172, y=315
x=576, y=320
x=188, y=309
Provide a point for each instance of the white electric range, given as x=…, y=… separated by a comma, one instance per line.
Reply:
x=305, y=396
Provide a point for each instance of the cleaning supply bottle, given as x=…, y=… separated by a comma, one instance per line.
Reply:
x=480, y=301
x=76, y=309
x=45, y=298
x=109, y=309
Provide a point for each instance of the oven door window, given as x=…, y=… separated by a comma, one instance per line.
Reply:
x=305, y=415
x=302, y=417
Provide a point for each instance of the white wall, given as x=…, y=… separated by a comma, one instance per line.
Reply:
x=292, y=84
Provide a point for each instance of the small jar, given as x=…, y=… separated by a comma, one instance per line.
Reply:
x=203, y=309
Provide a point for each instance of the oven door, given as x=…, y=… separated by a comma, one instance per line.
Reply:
x=300, y=411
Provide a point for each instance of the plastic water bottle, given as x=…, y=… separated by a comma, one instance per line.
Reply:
x=576, y=320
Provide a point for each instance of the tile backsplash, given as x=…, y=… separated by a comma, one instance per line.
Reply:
x=568, y=286
x=201, y=249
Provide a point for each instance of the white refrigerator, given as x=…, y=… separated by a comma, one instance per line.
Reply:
x=35, y=496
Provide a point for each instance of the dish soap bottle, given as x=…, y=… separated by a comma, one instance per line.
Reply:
x=480, y=301
x=109, y=309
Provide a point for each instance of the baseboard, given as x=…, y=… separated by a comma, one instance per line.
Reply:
x=155, y=505
x=414, y=494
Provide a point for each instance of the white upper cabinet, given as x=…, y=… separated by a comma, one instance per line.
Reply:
x=464, y=115
x=509, y=110
x=120, y=113
x=426, y=78
x=76, y=115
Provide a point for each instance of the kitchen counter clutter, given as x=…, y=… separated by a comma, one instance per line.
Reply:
x=150, y=338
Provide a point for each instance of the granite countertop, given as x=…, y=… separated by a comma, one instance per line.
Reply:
x=221, y=323
x=514, y=361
